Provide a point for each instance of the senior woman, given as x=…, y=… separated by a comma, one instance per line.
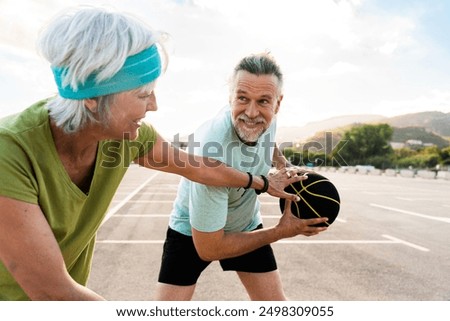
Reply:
x=63, y=158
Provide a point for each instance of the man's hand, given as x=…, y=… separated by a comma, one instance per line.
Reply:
x=290, y=225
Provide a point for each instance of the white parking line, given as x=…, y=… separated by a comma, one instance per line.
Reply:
x=414, y=199
x=145, y=201
x=166, y=201
x=405, y=198
x=335, y=242
x=141, y=215
x=397, y=240
x=277, y=216
x=131, y=242
x=113, y=210
x=371, y=193
x=149, y=193
x=167, y=215
x=391, y=240
x=436, y=218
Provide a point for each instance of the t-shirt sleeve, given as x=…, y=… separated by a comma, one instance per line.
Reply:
x=208, y=207
x=146, y=139
x=16, y=172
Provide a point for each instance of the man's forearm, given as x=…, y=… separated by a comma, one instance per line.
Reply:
x=229, y=245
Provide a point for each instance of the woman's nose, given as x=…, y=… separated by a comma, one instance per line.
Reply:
x=152, y=104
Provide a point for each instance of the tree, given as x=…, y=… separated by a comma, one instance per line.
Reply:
x=445, y=156
x=364, y=143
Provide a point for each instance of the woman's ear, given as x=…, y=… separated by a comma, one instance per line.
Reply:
x=91, y=104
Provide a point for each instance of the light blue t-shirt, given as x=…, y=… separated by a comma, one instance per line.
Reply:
x=209, y=209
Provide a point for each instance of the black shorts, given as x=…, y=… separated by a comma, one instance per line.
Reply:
x=181, y=264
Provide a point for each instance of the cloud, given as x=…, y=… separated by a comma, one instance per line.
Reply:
x=24, y=79
x=338, y=57
x=432, y=100
x=21, y=21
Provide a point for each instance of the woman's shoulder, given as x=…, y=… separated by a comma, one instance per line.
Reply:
x=34, y=116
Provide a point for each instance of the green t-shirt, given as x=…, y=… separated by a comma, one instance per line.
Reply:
x=31, y=171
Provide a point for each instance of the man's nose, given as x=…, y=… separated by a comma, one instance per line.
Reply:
x=252, y=110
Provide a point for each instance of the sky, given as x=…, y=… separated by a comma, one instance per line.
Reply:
x=338, y=57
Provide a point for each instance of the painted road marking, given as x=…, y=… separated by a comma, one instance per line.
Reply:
x=436, y=218
x=167, y=215
x=114, y=210
x=397, y=240
x=130, y=242
x=145, y=201
x=414, y=199
x=141, y=215
x=149, y=193
x=390, y=240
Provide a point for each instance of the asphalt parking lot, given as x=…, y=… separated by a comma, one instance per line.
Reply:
x=390, y=242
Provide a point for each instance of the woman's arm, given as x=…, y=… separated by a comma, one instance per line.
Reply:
x=31, y=254
x=164, y=157
x=279, y=161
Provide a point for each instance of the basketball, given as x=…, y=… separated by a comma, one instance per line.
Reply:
x=318, y=198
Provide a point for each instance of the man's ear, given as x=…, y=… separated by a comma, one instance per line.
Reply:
x=91, y=104
x=277, y=107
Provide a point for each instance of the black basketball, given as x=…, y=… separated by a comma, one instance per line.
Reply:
x=318, y=198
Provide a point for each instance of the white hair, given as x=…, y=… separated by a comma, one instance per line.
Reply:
x=88, y=40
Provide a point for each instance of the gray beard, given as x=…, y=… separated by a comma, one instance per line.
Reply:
x=248, y=136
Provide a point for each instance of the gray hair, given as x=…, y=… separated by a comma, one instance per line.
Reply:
x=90, y=40
x=260, y=64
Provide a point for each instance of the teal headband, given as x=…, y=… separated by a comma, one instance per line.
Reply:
x=138, y=70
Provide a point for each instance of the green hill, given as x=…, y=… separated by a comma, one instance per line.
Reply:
x=418, y=133
x=429, y=127
x=433, y=121
x=330, y=138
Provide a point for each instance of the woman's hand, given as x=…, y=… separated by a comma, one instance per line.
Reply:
x=279, y=179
